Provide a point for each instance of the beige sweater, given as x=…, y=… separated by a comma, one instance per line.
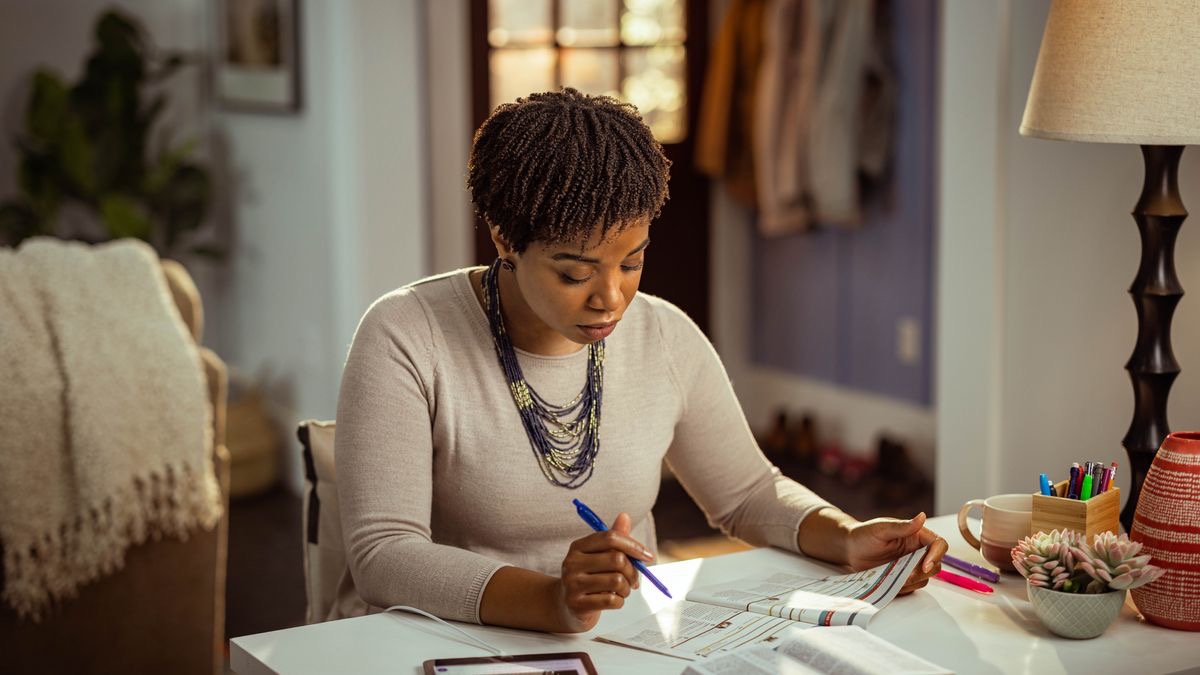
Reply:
x=439, y=486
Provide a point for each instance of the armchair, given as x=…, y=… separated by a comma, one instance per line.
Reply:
x=164, y=611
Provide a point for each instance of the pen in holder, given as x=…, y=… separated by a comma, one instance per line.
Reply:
x=1098, y=514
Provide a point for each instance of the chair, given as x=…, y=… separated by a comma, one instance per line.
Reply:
x=164, y=611
x=324, y=555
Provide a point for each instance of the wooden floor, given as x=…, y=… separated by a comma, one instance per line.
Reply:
x=265, y=579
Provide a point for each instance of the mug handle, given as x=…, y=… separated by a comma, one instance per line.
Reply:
x=962, y=522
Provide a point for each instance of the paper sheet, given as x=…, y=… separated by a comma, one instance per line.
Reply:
x=845, y=599
x=720, y=618
x=837, y=650
x=691, y=630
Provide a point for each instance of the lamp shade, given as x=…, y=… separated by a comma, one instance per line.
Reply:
x=1118, y=71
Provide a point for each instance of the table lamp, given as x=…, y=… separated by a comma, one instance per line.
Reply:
x=1128, y=71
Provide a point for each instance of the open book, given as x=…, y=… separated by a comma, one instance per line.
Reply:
x=842, y=650
x=763, y=607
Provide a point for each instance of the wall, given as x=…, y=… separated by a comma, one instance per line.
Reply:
x=326, y=209
x=1037, y=253
x=448, y=113
x=329, y=206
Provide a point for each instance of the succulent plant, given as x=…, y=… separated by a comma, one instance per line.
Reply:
x=1065, y=561
x=1113, y=561
x=1047, y=559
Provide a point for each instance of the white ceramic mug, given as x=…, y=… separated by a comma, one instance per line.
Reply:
x=1006, y=520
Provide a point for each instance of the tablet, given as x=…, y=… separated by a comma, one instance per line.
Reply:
x=562, y=663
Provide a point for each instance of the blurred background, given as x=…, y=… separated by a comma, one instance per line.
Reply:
x=916, y=305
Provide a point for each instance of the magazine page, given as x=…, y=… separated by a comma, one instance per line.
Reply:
x=691, y=630
x=835, y=650
x=839, y=600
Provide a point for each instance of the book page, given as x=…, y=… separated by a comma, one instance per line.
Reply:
x=690, y=630
x=752, y=660
x=850, y=650
x=835, y=650
x=839, y=600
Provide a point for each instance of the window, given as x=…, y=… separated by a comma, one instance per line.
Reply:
x=634, y=50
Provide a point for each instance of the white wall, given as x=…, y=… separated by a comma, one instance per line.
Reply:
x=1037, y=253
x=448, y=60
x=329, y=206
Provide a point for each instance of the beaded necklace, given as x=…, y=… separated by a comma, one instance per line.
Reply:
x=566, y=449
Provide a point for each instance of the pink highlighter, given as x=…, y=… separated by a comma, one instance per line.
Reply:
x=964, y=582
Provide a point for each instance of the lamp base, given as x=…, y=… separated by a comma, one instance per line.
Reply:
x=1155, y=291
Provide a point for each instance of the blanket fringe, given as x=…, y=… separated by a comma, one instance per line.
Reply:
x=164, y=503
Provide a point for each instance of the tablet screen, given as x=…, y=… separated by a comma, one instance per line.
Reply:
x=566, y=663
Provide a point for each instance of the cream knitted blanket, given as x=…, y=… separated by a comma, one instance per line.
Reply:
x=105, y=424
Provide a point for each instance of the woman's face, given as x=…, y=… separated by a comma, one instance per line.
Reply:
x=580, y=290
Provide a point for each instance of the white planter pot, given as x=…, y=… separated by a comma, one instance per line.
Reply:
x=1074, y=615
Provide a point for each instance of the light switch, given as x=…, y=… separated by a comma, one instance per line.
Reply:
x=908, y=341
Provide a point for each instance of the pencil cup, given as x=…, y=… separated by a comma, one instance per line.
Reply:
x=1098, y=514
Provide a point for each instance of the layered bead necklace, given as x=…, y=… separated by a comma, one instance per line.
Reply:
x=565, y=448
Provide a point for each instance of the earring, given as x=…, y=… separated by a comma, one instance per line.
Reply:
x=508, y=264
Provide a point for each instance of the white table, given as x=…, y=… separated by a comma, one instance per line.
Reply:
x=957, y=629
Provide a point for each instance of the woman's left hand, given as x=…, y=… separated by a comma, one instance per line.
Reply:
x=881, y=540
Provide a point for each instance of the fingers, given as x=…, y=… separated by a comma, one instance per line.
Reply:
x=597, y=572
x=608, y=582
x=913, y=584
x=597, y=581
x=623, y=523
x=937, y=549
x=891, y=529
x=591, y=602
x=906, y=529
x=613, y=540
x=921, y=576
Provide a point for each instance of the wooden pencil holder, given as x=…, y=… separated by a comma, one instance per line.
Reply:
x=1098, y=514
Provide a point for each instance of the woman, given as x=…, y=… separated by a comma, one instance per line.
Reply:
x=477, y=404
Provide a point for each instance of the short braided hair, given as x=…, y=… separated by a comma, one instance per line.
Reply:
x=553, y=166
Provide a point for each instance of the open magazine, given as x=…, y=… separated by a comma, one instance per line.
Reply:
x=761, y=608
x=838, y=650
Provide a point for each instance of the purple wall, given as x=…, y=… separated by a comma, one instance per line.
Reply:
x=826, y=303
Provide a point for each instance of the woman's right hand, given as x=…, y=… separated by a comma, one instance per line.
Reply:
x=597, y=575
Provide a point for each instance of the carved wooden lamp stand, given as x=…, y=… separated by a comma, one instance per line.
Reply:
x=1127, y=71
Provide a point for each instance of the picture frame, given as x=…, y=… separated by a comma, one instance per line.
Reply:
x=257, y=59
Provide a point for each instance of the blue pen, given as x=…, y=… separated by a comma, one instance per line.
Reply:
x=598, y=525
x=1046, y=489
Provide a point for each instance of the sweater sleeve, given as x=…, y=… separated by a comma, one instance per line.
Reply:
x=384, y=456
x=714, y=453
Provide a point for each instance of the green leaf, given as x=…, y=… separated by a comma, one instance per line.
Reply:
x=77, y=157
x=168, y=163
x=36, y=175
x=48, y=107
x=124, y=217
x=118, y=33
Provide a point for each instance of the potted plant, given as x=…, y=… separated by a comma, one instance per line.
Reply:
x=1077, y=588
x=94, y=161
